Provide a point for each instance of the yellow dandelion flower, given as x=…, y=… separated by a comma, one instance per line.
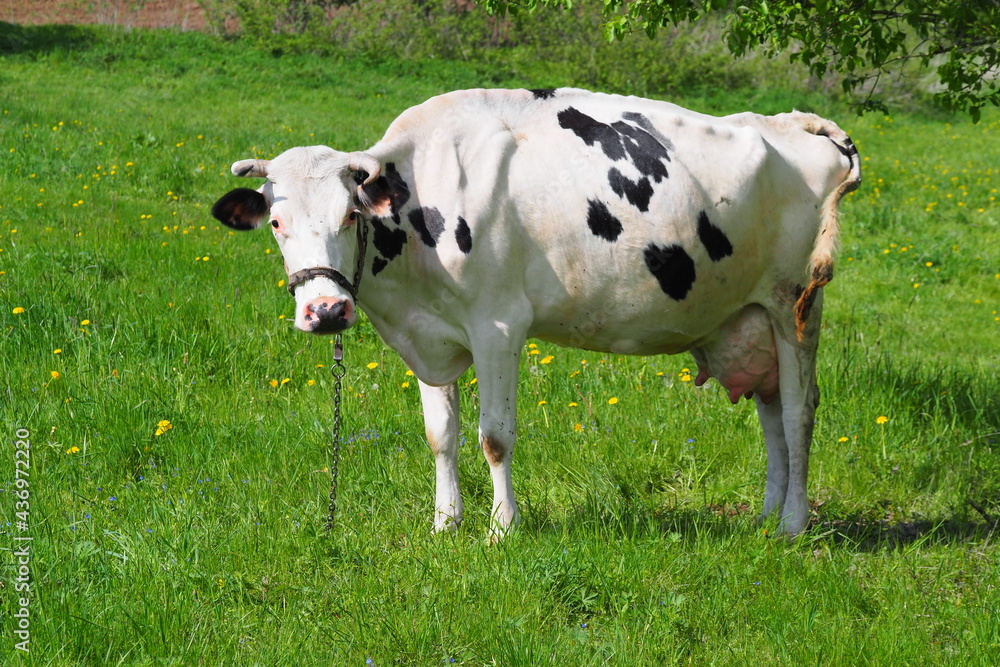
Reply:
x=547, y=360
x=612, y=400
x=685, y=378
x=533, y=352
x=281, y=283
x=286, y=380
x=408, y=373
x=532, y=346
x=573, y=405
x=84, y=323
x=311, y=382
x=73, y=450
x=541, y=403
x=58, y=350
x=163, y=426
x=405, y=385
x=577, y=427
x=373, y=365
x=54, y=374
x=18, y=310
x=273, y=383
x=881, y=419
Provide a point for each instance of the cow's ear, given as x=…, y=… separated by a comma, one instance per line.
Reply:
x=376, y=197
x=241, y=209
x=384, y=196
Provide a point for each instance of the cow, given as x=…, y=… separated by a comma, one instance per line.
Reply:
x=615, y=224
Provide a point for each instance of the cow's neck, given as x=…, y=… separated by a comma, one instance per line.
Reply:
x=409, y=303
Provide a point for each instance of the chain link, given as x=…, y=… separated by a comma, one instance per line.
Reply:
x=338, y=370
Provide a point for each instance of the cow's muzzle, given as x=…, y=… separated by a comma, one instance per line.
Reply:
x=327, y=315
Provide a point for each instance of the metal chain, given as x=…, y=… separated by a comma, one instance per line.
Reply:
x=338, y=370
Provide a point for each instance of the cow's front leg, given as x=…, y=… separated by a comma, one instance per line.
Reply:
x=441, y=423
x=496, y=374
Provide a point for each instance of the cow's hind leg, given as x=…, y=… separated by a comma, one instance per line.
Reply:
x=441, y=422
x=798, y=413
x=777, y=454
x=797, y=401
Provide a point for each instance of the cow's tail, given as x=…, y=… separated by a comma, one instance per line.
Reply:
x=821, y=261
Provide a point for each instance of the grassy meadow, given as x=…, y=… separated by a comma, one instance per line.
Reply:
x=179, y=426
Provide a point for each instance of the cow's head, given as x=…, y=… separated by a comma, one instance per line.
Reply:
x=311, y=203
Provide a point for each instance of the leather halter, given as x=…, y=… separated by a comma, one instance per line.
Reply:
x=301, y=276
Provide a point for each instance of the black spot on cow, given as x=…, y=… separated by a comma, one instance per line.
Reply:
x=386, y=195
x=647, y=125
x=428, y=223
x=463, y=236
x=543, y=93
x=601, y=222
x=714, y=239
x=388, y=241
x=672, y=267
x=633, y=139
x=638, y=194
x=378, y=264
x=648, y=155
x=592, y=132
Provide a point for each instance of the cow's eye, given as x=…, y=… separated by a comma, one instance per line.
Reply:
x=353, y=217
x=275, y=224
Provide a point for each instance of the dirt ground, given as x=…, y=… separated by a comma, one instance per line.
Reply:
x=184, y=14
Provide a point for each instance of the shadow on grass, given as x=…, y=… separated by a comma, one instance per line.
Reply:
x=860, y=533
x=866, y=535
x=39, y=39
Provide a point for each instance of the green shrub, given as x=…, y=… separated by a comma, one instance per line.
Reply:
x=562, y=48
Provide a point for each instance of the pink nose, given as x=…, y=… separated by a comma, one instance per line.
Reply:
x=327, y=315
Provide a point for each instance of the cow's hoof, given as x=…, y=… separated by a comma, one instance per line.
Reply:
x=446, y=526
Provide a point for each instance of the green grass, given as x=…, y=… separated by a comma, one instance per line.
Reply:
x=205, y=544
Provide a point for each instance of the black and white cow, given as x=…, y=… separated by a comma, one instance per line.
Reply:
x=609, y=223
